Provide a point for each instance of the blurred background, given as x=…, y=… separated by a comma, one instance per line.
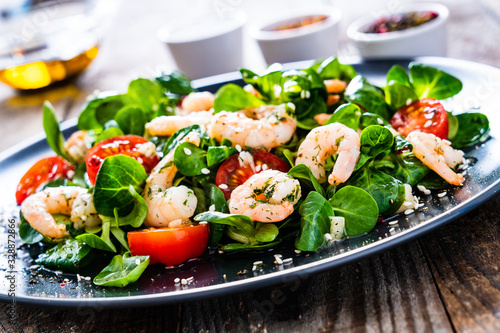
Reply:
x=112, y=42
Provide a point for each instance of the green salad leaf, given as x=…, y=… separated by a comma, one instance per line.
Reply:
x=268, y=85
x=347, y=114
x=232, y=97
x=178, y=136
x=331, y=68
x=472, y=128
x=405, y=167
x=387, y=191
x=116, y=174
x=131, y=120
x=69, y=256
x=267, y=233
x=240, y=226
x=376, y=140
x=54, y=135
x=369, y=97
x=175, y=83
x=216, y=198
x=122, y=270
x=190, y=160
x=398, y=74
x=315, y=214
x=398, y=95
x=146, y=94
x=432, y=82
x=218, y=154
x=358, y=208
x=27, y=233
x=304, y=175
x=99, y=111
x=108, y=133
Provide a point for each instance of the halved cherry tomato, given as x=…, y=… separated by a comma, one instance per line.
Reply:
x=123, y=144
x=42, y=172
x=231, y=174
x=426, y=115
x=169, y=246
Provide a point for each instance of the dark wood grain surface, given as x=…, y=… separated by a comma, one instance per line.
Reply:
x=443, y=282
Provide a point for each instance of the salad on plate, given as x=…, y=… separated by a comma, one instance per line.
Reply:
x=163, y=172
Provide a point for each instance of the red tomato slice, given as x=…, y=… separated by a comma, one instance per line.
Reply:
x=123, y=144
x=426, y=115
x=42, y=172
x=231, y=174
x=169, y=246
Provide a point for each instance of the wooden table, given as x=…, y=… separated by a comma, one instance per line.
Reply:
x=446, y=281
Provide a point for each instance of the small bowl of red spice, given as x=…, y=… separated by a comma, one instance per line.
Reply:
x=415, y=29
x=304, y=35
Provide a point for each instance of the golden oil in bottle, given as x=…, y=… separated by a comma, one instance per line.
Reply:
x=40, y=74
x=47, y=41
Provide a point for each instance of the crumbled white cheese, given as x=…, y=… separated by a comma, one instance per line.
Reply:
x=337, y=224
x=410, y=203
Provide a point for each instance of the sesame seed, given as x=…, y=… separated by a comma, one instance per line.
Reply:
x=34, y=266
x=380, y=121
x=137, y=261
x=264, y=166
x=391, y=230
x=87, y=278
x=258, y=263
x=393, y=222
x=238, y=148
x=190, y=279
x=421, y=188
x=409, y=211
x=223, y=187
x=287, y=261
x=298, y=251
x=427, y=192
x=211, y=208
x=442, y=194
x=205, y=171
x=428, y=123
x=184, y=282
x=177, y=280
x=328, y=237
x=187, y=151
x=258, y=167
x=278, y=260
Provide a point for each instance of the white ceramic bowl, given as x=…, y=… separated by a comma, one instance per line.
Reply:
x=428, y=39
x=313, y=41
x=205, y=46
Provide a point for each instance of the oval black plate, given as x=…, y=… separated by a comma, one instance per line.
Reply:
x=219, y=274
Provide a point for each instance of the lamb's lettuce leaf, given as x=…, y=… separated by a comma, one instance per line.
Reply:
x=54, y=135
x=122, y=270
x=116, y=174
